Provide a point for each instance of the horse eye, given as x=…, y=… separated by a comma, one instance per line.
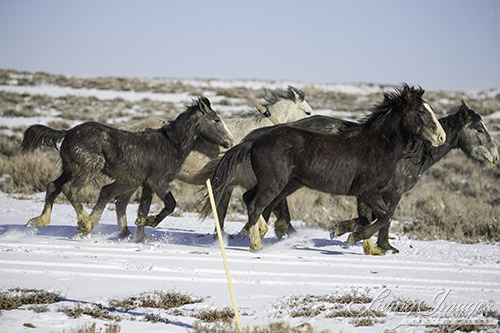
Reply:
x=217, y=120
x=480, y=130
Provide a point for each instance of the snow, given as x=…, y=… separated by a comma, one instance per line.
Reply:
x=184, y=257
x=57, y=91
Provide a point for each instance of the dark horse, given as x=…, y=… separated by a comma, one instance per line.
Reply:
x=359, y=162
x=464, y=130
x=150, y=159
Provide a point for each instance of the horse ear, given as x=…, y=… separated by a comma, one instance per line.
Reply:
x=464, y=111
x=204, y=104
x=407, y=92
x=462, y=104
x=294, y=94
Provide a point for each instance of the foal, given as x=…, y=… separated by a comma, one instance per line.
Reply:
x=151, y=159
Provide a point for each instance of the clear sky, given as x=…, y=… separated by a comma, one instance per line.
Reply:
x=438, y=44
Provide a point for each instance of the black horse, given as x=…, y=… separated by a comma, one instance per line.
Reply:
x=150, y=159
x=464, y=130
x=359, y=162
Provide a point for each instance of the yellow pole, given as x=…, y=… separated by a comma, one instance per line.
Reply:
x=266, y=113
x=223, y=251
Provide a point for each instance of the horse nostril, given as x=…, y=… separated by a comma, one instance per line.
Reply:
x=441, y=138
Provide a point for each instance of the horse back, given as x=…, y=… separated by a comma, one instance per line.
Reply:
x=118, y=153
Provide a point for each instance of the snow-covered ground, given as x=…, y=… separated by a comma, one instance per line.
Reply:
x=183, y=257
x=459, y=281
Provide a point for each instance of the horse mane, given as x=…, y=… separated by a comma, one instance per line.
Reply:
x=396, y=101
x=173, y=130
x=272, y=96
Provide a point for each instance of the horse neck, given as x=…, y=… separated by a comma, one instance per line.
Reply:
x=452, y=130
x=396, y=138
x=183, y=132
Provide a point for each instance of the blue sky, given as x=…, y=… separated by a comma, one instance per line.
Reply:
x=437, y=44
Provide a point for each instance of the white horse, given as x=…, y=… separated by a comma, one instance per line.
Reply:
x=286, y=106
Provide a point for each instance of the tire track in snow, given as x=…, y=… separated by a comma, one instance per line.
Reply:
x=127, y=271
x=236, y=281
x=243, y=258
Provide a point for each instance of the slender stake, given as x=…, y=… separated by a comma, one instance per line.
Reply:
x=223, y=251
x=266, y=113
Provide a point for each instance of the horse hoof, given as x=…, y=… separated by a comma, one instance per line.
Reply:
x=36, y=222
x=340, y=229
x=353, y=238
x=146, y=221
x=256, y=248
x=245, y=230
x=387, y=247
x=333, y=233
x=82, y=232
x=280, y=229
x=143, y=239
x=369, y=248
x=291, y=231
x=124, y=234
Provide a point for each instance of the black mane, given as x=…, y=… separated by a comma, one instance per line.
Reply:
x=402, y=98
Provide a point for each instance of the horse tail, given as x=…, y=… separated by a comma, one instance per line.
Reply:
x=39, y=135
x=225, y=171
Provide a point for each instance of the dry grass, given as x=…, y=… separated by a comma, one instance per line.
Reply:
x=17, y=297
x=214, y=315
x=155, y=299
x=92, y=328
x=94, y=311
x=276, y=327
x=456, y=200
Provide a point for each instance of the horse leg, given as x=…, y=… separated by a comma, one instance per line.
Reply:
x=383, y=239
x=261, y=227
x=152, y=221
x=251, y=226
x=121, y=204
x=257, y=199
x=282, y=225
x=364, y=230
x=384, y=215
x=142, y=213
x=107, y=193
x=364, y=218
x=280, y=206
x=71, y=190
x=347, y=226
x=169, y=206
x=53, y=190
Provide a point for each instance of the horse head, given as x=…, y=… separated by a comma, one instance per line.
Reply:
x=474, y=138
x=419, y=117
x=288, y=106
x=213, y=127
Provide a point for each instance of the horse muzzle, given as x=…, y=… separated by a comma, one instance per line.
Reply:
x=228, y=143
x=437, y=137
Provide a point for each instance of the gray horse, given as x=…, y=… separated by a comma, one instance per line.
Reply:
x=150, y=158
